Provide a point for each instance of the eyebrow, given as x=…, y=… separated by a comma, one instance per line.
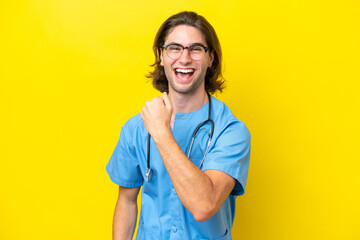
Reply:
x=193, y=44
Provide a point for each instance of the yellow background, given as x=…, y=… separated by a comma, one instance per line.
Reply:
x=72, y=72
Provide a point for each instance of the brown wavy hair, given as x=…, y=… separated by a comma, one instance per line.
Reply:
x=214, y=80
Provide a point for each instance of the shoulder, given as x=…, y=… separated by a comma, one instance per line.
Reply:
x=133, y=122
x=225, y=120
x=133, y=126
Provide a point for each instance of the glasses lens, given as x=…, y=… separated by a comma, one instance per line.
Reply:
x=196, y=52
x=174, y=51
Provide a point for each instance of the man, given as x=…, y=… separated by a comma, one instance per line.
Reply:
x=189, y=185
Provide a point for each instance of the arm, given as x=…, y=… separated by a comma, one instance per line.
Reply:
x=125, y=213
x=202, y=193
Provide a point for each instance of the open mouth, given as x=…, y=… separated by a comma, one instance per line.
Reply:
x=184, y=74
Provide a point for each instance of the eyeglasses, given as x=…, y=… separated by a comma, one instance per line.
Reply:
x=175, y=50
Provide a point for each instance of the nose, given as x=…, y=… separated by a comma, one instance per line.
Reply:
x=185, y=57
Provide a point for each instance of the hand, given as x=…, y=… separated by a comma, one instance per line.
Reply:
x=156, y=115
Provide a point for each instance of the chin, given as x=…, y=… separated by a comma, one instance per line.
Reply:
x=193, y=87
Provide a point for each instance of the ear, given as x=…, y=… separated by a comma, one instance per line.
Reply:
x=161, y=57
x=211, y=58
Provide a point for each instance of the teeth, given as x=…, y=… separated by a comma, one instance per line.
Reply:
x=184, y=70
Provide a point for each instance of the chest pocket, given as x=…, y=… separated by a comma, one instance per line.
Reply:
x=147, y=233
x=224, y=237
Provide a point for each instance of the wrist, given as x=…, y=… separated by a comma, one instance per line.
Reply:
x=162, y=135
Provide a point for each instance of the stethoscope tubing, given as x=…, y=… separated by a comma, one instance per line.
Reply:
x=149, y=170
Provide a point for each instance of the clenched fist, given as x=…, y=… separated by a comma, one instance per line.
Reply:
x=156, y=115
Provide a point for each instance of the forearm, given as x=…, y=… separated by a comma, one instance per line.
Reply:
x=124, y=220
x=193, y=187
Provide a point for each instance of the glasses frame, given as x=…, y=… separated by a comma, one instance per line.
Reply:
x=188, y=47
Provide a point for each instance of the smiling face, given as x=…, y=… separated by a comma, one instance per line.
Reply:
x=184, y=74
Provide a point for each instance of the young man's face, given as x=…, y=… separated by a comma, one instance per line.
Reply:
x=186, y=75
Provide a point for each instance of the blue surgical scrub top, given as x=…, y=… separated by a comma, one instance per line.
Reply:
x=162, y=215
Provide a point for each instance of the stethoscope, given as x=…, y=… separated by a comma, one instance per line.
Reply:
x=149, y=170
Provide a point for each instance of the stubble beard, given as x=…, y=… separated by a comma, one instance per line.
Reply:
x=195, y=85
x=197, y=82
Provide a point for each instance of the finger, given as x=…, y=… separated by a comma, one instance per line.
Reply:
x=142, y=113
x=148, y=103
x=159, y=100
x=167, y=101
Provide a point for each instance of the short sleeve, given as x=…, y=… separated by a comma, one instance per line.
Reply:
x=123, y=166
x=231, y=155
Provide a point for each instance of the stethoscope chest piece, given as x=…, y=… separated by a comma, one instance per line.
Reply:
x=149, y=175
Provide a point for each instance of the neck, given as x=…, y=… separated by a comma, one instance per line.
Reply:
x=187, y=102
